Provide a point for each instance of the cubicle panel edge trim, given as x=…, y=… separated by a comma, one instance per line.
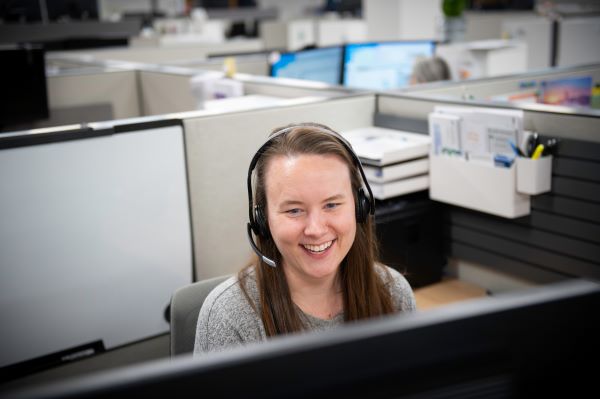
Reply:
x=65, y=133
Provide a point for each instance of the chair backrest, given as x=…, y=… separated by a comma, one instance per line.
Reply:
x=185, y=306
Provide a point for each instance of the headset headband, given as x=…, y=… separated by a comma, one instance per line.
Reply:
x=258, y=224
x=283, y=131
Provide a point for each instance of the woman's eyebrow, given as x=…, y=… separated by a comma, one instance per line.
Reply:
x=335, y=197
x=290, y=202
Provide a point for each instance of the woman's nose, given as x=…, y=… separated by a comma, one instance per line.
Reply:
x=316, y=225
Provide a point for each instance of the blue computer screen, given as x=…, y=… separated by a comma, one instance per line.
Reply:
x=319, y=64
x=383, y=65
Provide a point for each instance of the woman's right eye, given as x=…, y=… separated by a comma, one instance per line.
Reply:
x=293, y=212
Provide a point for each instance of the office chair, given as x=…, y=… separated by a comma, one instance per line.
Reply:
x=185, y=306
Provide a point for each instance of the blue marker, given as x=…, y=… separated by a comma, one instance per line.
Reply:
x=516, y=149
x=503, y=161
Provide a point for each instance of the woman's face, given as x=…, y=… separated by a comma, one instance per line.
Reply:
x=311, y=213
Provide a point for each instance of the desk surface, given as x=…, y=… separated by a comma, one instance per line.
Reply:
x=445, y=292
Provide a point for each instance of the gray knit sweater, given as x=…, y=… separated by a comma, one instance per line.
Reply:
x=226, y=318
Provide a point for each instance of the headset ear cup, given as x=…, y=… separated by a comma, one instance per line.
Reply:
x=363, y=206
x=261, y=223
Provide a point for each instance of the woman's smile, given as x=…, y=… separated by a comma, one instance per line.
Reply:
x=318, y=248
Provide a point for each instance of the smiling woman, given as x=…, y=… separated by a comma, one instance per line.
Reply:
x=311, y=212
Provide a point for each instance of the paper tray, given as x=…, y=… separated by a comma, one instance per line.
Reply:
x=477, y=186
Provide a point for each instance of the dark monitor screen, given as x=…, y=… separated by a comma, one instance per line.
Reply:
x=68, y=10
x=23, y=83
x=383, y=65
x=318, y=64
x=538, y=342
x=53, y=10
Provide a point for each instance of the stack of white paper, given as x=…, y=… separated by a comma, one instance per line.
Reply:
x=395, y=162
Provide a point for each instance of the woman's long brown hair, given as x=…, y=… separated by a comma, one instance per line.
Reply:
x=364, y=292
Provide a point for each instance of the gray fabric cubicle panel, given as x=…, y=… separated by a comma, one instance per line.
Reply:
x=219, y=149
x=163, y=92
x=117, y=88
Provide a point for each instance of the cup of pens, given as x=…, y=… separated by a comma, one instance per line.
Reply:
x=534, y=166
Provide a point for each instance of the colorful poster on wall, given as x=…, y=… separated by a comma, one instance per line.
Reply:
x=571, y=91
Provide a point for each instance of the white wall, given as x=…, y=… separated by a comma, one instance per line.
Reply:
x=291, y=9
x=537, y=33
x=579, y=41
x=403, y=19
x=488, y=24
x=288, y=35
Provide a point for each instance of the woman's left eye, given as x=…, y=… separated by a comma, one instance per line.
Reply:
x=332, y=205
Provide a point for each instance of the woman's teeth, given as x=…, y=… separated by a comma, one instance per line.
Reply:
x=318, y=248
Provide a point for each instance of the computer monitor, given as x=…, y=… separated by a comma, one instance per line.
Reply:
x=323, y=64
x=536, y=343
x=22, y=86
x=383, y=65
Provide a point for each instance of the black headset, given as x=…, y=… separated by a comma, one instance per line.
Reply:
x=365, y=204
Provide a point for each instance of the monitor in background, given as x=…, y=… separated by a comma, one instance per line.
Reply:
x=383, y=65
x=23, y=86
x=534, y=343
x=319, y=64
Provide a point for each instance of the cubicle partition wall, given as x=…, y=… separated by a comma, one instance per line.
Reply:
x=219, y=149
x=89, y=94
x=522, y=88
x=95, y=237
x=560, y=238
x=292, y=88
x=166, y=90
x=89, y=90
x=510, y=88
